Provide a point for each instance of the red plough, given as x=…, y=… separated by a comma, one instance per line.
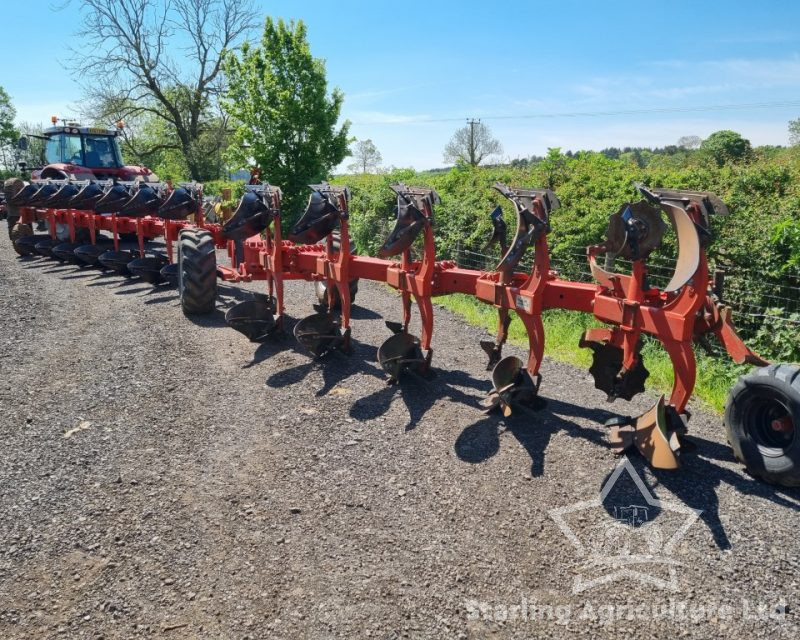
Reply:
x=763, y=408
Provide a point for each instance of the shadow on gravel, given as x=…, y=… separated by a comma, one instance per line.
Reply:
x=334, y=365
x=695, y=484
x=168, y=294
x=104, y=279
x=227, y=296
x=128, y=292
x=360, y=313
x=48, y=266
x=278, y=342
x=33, y=262
x=532, y=429
x=419, y=395
x=215, y=319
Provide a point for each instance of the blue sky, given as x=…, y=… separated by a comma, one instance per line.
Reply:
x=412, y=72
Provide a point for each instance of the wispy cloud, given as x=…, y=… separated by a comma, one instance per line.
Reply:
x=678, y=79
x=773, y=70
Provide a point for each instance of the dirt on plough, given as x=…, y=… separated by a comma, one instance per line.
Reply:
x=163, y=477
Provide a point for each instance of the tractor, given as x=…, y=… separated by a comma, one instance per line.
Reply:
x=84, y=153
x=74, y=152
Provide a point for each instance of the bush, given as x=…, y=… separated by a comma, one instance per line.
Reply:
x=758, y=244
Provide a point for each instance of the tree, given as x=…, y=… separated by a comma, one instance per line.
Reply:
x=471, y=144
x=726, y=146
x=366, y=156
x=689, y=142
x=281, y=113
x=149, y=140
x=8, y=132
x=125, y=56
x=794, y=132
x=33, y=156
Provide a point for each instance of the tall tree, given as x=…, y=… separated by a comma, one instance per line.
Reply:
x=366, y=156
x=794, y=132
x=149, y=140
x=163, y=59
x=8, y=132
x=689, y=142
x=726, y=146
x=33, y=156
x=282, y=115
x=472, y=144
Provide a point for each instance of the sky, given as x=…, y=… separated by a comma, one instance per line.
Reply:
x=568, y=74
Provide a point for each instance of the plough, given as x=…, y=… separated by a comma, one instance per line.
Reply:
x=763, y=408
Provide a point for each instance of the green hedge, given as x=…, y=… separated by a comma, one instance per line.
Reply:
x=758, y=244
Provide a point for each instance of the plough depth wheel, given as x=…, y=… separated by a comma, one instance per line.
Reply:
x=761, y=419
x=197, y=271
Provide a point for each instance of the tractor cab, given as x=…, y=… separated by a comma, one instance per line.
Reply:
x=86, y=147
x=86, y=153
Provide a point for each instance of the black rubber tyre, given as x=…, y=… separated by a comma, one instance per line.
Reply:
x=197, y=271
x=133, y=237
x=17, y=231
x=321, y=291
x=762, y=415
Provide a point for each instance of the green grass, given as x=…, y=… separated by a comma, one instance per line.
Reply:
x=563, y=330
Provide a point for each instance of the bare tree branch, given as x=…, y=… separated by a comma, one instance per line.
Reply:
x=124, y=58
x=472, y=144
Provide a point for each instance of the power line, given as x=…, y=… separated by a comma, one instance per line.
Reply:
x=595, y=114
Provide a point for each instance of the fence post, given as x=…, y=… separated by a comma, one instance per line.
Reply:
x=719, y=282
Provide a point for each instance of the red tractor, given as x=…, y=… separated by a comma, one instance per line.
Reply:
x=71, y=151
x=85, y=153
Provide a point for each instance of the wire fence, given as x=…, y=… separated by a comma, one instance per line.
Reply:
x=766, y=310
x=755, y=302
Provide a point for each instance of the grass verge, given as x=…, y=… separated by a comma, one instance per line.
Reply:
x=563, y=329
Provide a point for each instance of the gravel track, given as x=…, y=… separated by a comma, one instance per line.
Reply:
x=163, y=477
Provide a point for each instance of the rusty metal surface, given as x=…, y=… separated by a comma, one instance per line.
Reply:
x=688, y=247
x=532, y=221
x=653, y=440
x=253, y=318
x=400, y=354
x=408, y=225
x=318, y=333
x=321, y=217
x=609, y=376
x=635, y=231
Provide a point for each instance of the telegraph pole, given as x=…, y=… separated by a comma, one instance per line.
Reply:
x=472, y=122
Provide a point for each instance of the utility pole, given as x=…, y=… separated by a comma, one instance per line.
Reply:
x=472, y=122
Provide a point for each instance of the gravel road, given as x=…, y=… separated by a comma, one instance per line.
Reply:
x=164, y=478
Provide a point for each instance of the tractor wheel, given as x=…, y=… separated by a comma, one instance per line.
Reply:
x=762, y=415
x=197, y=271
x=17, y=231
x=321, y=290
